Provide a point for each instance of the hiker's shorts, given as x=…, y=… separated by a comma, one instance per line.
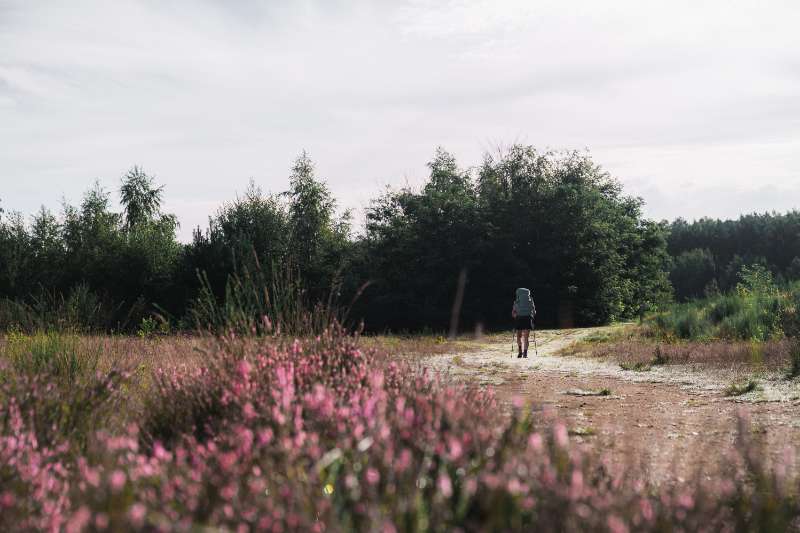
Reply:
x=524, y=322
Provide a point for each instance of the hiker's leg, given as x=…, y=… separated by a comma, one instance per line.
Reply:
x=527, y=332
x=519, y=339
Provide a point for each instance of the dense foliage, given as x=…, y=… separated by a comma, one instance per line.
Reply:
x=320, y=435
x=555, y=222
x=708, y=253
x=759, y=309
x=92, y=266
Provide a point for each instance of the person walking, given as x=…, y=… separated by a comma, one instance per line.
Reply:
x=523, y=312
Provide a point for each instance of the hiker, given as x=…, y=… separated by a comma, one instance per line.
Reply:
x=523, y=312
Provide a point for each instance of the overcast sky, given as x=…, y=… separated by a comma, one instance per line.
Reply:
x=694, y=106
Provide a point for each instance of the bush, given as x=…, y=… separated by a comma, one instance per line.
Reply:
x=724, y=306
x=743, y=325
x=685, y=321
x=756, y=311
x=199, y=401
x=738, y=389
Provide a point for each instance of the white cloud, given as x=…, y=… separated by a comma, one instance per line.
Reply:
x=208, y=94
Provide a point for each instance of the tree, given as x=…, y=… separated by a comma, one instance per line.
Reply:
x=418, y=243
x=691, y=272
x=317, y=238
x=560, y=224
x=648, y=267
x=769, y=237
x=15, y=256
x=552, y=221
x=140, y=199
x=310, y=211
x=251, y=228
x=793, y=272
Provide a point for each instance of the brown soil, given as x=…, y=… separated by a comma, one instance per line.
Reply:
x=676, y=420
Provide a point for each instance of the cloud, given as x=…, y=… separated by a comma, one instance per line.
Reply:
x=208, y=94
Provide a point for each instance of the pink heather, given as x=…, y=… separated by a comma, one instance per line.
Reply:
x=278, y=438
x=445, y=485
x=117, y=480
x=373, y=477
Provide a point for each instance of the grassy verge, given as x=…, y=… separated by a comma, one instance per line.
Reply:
x=638, y=351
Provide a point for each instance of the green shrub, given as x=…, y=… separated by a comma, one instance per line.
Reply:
x=147, y=328
x=637, y=366
x=682, y=320
x=755, y=311
x=756, y=280
x=691, y=324
x=725, y=306
x=737, y=389
x=744, y=325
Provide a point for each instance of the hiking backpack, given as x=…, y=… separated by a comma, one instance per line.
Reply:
x=524, y=302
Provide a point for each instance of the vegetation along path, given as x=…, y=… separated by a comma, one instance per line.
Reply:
x=677, y=418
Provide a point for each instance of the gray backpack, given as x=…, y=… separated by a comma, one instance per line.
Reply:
x=524, y=302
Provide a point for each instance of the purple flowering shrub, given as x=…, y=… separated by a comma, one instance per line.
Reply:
x=319, y=435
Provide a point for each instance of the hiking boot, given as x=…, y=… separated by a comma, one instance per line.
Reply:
x=519, y=354
x=525, y=354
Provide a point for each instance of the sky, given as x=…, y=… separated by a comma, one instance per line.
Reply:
x=692, y=105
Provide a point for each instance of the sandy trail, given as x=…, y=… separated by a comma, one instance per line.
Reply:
x=676, y=418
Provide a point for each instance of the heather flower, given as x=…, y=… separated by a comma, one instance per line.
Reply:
x=456, y=448
x=404, y=461
x=646, y=508
x=137, y=514
x=444, y=485
x=117, y=480
x=7, y=499
x=616, y=525
x=560, y=434
x=320, y=434
x=101, y=521
x=79, y=520
x=372, y=476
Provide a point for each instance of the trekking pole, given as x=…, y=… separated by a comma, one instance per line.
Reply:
x=535, y=348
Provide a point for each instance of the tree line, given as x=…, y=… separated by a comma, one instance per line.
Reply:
x=552, y=221
x=708, y=254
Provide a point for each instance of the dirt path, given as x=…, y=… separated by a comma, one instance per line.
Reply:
x=676, y=418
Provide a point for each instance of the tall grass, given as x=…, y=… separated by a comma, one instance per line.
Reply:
x=79, y=310
x=56, y=353
x=260, y=302
x=757, y=315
